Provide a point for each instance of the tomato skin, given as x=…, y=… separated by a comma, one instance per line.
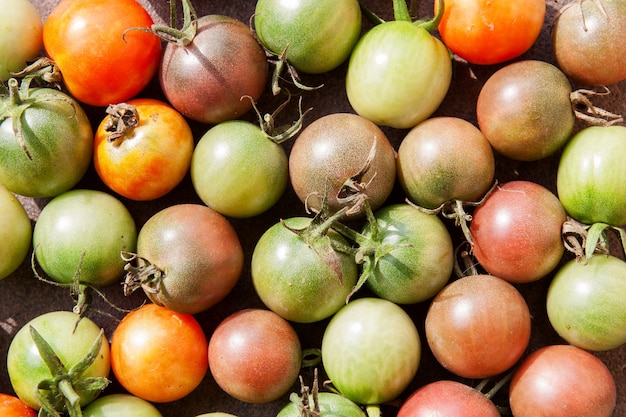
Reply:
x=443, y=159
x=488, y=32
x=21, y=35
x=159, y=355
x=330, y=405
x=398, y=74
x=584, y=37
x=120, y=405
x=15, y=233
x=562, y=381
x=11, y=406
x=101, y=64
x=591, y=176
x=517, y=232
x=255, y=355
x=152, y=158
x=371, y=350
x=319, y=35
x=84, y=230
x=478, y=326
x=207, y=79
x=585, y=303
x=25, y=366
x=447, y=398
x=237, y=170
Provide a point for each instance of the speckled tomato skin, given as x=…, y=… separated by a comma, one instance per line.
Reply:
x=206, y=79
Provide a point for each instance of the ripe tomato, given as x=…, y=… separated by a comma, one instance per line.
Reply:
x=159, y=355
x=371, y=350
x=517, y=231
x=11, y=406
x=255, y=355
x=491, y=31
x=562, y=381
x=20, y=35
x=478, y=326
x=142, y=149
x=15, y=233
x=101, y=62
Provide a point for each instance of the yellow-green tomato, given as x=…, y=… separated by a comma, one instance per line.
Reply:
x=318, y=35
x=15, y=233
x=237, y=170
x=398, y=74
x=21, y=35
x=121, y=405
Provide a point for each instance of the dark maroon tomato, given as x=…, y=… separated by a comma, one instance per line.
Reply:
x=446, y=398
x=255, y=355
x=586, y=38
x=562, y=381
x=206, y=79
x=525, y=111
x=478, y=326
x=346, y=156
x=517, y=231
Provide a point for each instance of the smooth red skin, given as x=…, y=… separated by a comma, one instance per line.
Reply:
x=447, y=398
x=207, y=79
x=255, y=355
x=11, y=406
x=159, y=355
x=586, y=41
x=100, y=65
x=478, y=326
x=517, y=232
x=562, y=381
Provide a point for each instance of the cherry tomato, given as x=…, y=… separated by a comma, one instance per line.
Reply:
x=11, y=406
x=145, y=157
x=329, y=404
x=159, y=355
x=585, y=37
x=101, y=60
x=490, y=32
x=478, y=326
x=15, y=233
x=255, y=355
x=562, y=381
x=120, y=405
x=517, y=231
x=21, y=36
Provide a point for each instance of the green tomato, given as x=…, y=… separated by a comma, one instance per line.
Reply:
x=371, y=350
x=591, y=176
x=398, y=74
x=15, y=233
x=585, y=303
x=237, y=170
x=83, y=232
x=121, y=405
x=330, y=405
x=318, y=35
x=70, y=342
x=21, y=35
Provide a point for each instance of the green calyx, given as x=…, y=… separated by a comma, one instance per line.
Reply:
x=403, y=13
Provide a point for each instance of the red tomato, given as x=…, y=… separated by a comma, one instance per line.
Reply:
x=100, y=63
x=159, y=355
x=11, y=406
x=491, y=31
x=149, y=158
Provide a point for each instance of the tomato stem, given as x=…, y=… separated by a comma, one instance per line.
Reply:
x=430, y=25
x=401, y=11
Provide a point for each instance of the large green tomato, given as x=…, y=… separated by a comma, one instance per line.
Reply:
x=591, y=177
x=82, y=233
x=15, y=233
x=585, y=303
x=398, y=74
x=371, y=350
x=20, y=35
x=318, y=35
x=237, y=170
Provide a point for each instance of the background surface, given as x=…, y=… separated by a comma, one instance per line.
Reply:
x=23, y=297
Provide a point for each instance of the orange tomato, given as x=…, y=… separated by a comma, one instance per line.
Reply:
x=100, y=61
x=158, y=354
x=150, y=158
x=11, y=406
x=489, y=32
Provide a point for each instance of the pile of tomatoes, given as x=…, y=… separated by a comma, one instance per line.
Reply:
x=322, y=207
